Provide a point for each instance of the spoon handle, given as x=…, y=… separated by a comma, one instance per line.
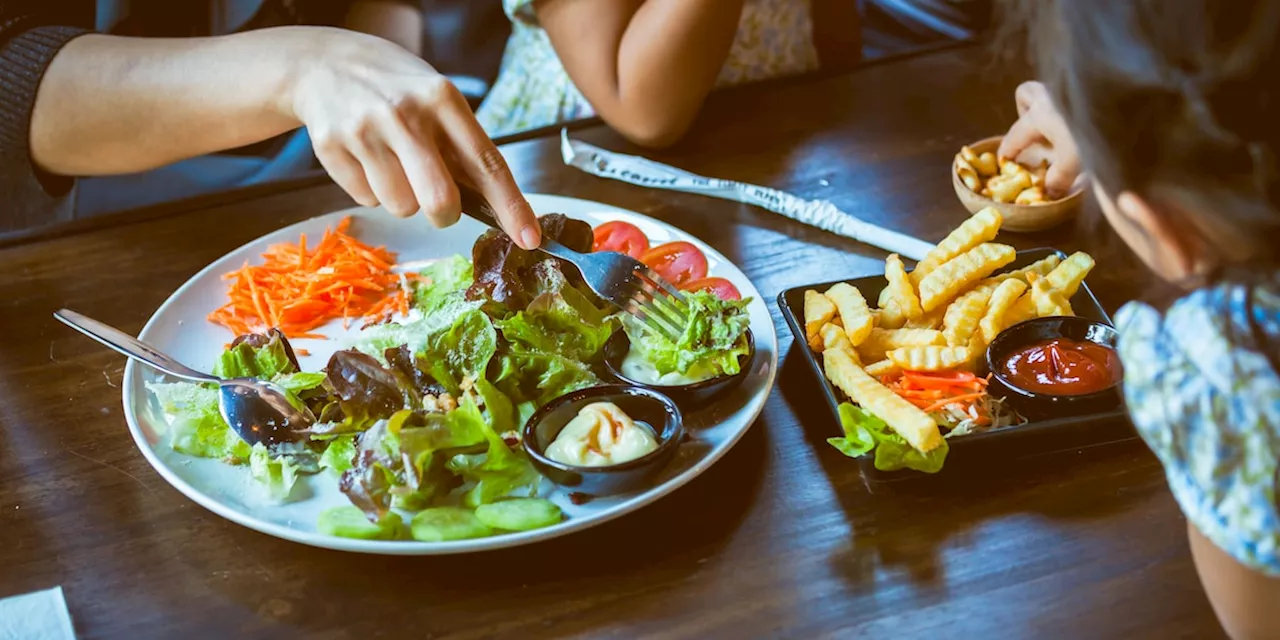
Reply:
x=130, y=346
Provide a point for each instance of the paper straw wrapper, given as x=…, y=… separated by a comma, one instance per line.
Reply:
x=817, y=213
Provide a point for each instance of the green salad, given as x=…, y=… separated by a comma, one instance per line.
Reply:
x=420, y=416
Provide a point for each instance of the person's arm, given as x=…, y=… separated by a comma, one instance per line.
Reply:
x=645, y=65
x=1244, y=600
x=388, y=128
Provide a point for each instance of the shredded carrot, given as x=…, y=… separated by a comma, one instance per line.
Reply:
x=963, y=400
x=297, y=289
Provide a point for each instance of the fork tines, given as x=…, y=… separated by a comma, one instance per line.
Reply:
x=658, y=304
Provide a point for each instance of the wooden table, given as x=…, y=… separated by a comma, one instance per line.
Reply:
x=783, y=538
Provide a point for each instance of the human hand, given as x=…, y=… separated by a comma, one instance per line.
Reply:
x=1042, y=132
x=392, y=131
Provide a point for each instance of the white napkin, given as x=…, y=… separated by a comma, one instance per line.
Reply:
x=818, y=213
x=39, y=615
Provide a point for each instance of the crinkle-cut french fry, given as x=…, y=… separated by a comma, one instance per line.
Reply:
x=1010, y=167
x=963, y=316
x=932, y=358
x=833, y=337
x=882, y=368
x=1047, y=300
x=1069, y=275
x=977, y=351
x=969, y=155
x=882, y=341
x=986, y=164
x=1030, y=195
x=854, y=312
x=1021, y=311
x=818, y=310
x=890, y=316
x=907, y=420
x=948, y=281
x=931, y=320
x=901, y=291
x=1005, y=295
x=1005, y=187
x=968, y=175
x=979, y=228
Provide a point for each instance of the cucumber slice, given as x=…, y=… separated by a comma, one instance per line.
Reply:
x=349, y=522
x=447, y=523
x=519, y=514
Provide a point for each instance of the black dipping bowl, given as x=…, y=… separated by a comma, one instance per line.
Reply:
x=642, y=405
x=1036, y=405
x=687, y=395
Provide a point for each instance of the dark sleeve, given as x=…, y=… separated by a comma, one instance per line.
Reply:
x=28, y=43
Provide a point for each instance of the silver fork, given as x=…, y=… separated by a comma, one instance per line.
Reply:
x=616, y=277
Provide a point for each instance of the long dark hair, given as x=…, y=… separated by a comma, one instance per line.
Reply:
x=1177, y=101
x=1180, y=103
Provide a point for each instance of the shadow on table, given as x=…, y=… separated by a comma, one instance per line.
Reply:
x=907, y=520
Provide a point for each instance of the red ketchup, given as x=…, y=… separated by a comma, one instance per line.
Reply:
x=1064, y=367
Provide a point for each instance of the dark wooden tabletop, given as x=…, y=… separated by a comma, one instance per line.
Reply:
x=783, y=538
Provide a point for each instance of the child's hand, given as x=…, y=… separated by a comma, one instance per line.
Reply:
x=1041, y=131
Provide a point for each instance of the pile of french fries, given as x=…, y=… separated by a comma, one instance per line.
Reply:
x=939, y=317
x=1002, y=180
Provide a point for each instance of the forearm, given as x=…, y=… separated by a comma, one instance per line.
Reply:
x=1242, y=598
x=645, y=67
x=112, y=105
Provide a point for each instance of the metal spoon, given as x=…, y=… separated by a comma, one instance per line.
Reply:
x=259, y=411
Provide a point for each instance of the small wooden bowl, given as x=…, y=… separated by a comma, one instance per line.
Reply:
x=1021, y=218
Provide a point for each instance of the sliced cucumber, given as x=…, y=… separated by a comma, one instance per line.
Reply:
x=349, y=522
x=447, y=523
x=520, y=514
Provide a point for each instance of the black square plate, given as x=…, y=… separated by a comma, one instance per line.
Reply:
x=1037, y=437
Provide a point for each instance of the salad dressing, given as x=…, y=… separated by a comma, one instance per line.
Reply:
x=601, y=435
x=637, y=368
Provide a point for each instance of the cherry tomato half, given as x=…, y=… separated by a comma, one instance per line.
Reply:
x=677, y=262
x=722, y=288
x=622, y=237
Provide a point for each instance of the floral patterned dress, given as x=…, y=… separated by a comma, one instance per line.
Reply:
x=775, y=39
x=1206, y=398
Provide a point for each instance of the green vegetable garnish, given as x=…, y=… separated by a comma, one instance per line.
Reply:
x=520, y=514
x=864, y=432
x=277, y=474
x=349, y=522
x=439, y=524
x=714, y=337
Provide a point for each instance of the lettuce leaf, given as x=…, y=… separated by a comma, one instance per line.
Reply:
x=501, y=471
x=446, y=280
x=365, y=390
x=541, y=377
x=257, y=356
x=714, y=337
x=463, y=351
x=857, y=424
x=864, y=432
x=196, y=428
x=414, y=334
x=560, y=320
x=277, y=474
x=339, y=454
x=299, y=381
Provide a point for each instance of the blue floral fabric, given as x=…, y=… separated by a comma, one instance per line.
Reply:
x=1206, y=398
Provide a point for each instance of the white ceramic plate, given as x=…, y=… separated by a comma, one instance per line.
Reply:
x=179, y=328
